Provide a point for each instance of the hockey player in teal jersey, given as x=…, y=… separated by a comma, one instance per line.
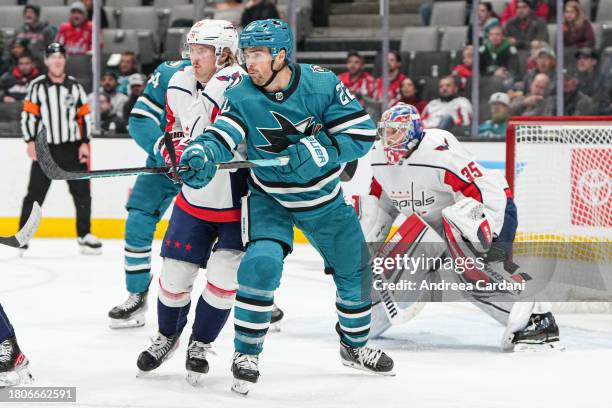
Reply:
x=304, y=112
x=151, y=196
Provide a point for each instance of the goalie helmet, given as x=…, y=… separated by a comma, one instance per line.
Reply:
x=400, y=130
x=219, y=34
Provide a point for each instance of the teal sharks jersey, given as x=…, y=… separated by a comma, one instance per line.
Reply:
x=315, y=101
x=148, y=116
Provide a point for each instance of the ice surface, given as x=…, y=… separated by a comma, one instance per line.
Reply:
x=447, y=357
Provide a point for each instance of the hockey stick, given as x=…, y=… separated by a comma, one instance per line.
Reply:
x=170, y=147
x=24, y=235
x=55, y=172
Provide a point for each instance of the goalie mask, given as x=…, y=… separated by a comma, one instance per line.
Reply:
x=400, y=130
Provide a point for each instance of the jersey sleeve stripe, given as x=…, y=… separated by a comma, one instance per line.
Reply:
x=236, y=120
x=233, y=124
x=178, y=88
x=223, y=137
x=141, y=113
x=363, y=117
x=151, y=104
x=301, y=189
x=465, y=188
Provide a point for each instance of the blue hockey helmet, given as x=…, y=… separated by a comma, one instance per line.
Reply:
x=400, y=129
x=272, y=33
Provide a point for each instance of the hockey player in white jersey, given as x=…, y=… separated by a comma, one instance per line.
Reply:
x=429, y=173
x=204, y=229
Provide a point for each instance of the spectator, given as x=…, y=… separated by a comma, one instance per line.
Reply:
x=109, y=121
x=394, y=62
x=497, y=55
x=19, y=47
x=90, y=10
x=525, y=27
x=258, y=10
x=410, y=94
x=577, y=29
x=229, y=5
x=39, y=34
x=77, y=33
x=463, y=71
x=537, y=102
x=486, y=20
x=534, y=47
x=136, y=83
x=356, y=79
x=499, y=104
x=15, y=83
x=545, y=64
x=450, y=109
x=541, y=9
x=590, y=81
x=128, y=65
x=575, y=103
x=118, y=100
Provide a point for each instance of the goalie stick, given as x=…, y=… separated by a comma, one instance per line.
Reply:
x=25, y=234
x=55, y=172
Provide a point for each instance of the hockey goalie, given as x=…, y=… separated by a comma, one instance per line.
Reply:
x=430, y=178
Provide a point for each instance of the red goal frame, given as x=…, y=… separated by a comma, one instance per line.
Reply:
x=539, y=120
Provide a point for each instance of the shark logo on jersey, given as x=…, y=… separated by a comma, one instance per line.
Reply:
x=289, y=133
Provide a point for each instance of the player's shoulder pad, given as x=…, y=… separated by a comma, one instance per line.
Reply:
x=316, y=73
x=222, y=80
x=240, y=88
x=183, y=78
x=378, y=153
x=442, y=149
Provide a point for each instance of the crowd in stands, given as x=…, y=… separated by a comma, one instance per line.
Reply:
x=524, y=85
x=527, y=88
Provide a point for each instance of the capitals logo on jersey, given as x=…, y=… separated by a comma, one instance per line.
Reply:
x=288, y=133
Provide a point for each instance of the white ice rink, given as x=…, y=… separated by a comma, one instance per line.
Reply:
x=447, y=357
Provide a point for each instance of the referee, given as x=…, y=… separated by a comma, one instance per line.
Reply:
x=57, y=103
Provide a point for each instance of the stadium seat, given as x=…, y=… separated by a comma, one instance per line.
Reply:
x=184, y=12
x=113, y=19
x=123, y=3
x=173, y=44
x=453, y=38
x=47, y=3
x=9, y=3
x=498, y=6
x=448, y=13
x=606, y=35
x=420, y=39
x=552, y=34
x=488, y=86
x=230, y=15
x=79, y=66
x=139, y=41
x=139, y=18
x=597, y=30
x=169, y=3
x=55, y=15
x=604, y=11
x=423, y=63
x=11, y=17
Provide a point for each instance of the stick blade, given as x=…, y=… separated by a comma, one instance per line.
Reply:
x=25, y=234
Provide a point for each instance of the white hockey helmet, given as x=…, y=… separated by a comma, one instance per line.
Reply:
x=219, y=34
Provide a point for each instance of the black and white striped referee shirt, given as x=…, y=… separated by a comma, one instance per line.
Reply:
x=61, y=109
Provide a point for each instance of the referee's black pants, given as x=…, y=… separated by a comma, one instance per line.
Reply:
x=66, y=155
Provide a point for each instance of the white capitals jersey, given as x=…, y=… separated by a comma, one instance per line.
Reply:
x=436, y=175
x=190, y=108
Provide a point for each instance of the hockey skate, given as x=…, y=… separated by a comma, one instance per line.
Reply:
x=196, y=363
x=89, y=245
x=130, y=313
x=367, y=359
x=541, y=333
x=162, y=349
x=13, y=364
x=277, y=316
x=246, y=372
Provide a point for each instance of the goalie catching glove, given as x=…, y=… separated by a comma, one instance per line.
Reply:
x=470, y=218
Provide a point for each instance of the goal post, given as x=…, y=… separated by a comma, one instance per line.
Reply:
x=560, y=172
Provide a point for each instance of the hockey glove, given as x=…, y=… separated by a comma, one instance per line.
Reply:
x=202, y=168
x=307, y=156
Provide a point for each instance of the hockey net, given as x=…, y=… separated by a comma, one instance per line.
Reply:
x=560, y=171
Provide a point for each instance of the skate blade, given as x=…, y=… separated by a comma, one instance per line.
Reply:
x=241, y=387
x=84, y=250
x=143, y=374
x=132, y=322
x=21, y=376
x=367, y=370
x=538, y=347
x=274, y=328
x=193, y=377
